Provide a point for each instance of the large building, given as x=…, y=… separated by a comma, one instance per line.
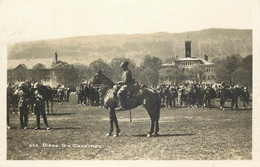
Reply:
x=195, y=69
x=23, y=70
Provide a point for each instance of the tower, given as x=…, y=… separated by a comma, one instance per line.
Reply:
x=187, y=49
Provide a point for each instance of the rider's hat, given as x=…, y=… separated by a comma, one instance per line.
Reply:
x=124, y=64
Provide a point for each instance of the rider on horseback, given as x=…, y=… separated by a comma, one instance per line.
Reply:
x=126, y=81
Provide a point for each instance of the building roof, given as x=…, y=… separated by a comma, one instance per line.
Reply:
x=29, y=63
x=168, y=65
x=189, y=59
x=195, y=59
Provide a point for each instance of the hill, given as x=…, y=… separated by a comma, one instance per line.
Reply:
x=85, y=49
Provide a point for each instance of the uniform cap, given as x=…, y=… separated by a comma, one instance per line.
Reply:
x=36, y=85
x=21, y=85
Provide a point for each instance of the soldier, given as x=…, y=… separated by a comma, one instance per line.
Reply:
x=23, y=104
x=126, y=81
x=8, y=105
x=40, y=96
x=68, y=94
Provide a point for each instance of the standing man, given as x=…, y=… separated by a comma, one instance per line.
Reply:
x=23, y=104
x=40, y=96
x=126, y=81
x=68, y=94
x=8, y=105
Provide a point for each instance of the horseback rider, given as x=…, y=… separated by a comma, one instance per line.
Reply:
x=126, y=81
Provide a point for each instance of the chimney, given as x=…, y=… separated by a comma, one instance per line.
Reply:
x=56, y=57
x=177, y=57
x=206, y=58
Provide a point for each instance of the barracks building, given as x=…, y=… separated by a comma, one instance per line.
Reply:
x=22, y=71
x=167, y=72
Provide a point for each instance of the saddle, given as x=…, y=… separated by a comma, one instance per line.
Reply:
x=132, y=90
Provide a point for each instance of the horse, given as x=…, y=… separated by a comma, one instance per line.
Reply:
x=208, y=96
x=233, y=94
x=48, y=97
x=171, y=94
x=143, y=96
x=246, y=97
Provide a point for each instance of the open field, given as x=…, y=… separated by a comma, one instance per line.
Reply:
x=185, y=133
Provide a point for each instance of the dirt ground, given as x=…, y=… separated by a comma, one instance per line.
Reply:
x=79, y=133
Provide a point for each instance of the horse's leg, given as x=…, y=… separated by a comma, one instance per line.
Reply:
x=232, y=103
x=236, y=103
x=156, y=127
x=52, y=106
x=113, y=119
x=209, y=103
x=47, y=104
x=152, y=129
x=223, y=104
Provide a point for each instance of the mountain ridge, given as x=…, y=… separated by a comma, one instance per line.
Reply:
x=214, y=42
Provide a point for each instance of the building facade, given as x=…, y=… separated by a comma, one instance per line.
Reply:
x=188, y=69
x=23, y=70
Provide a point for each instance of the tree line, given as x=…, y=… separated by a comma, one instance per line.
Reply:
x=232, y=70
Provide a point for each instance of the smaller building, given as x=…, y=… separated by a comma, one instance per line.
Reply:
x=23, y=70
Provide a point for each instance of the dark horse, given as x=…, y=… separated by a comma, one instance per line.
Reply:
x=143, y=96
x=232, y=94
x=208, y=96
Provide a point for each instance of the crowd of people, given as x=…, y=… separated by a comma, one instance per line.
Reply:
x=195, y=95
x=26, y=96
x=88, y=95
x=32, y=97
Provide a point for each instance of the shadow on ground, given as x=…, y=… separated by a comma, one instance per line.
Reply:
x=59, y=114
x=164, y=135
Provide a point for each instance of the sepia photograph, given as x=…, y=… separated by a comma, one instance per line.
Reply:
x=142, y=80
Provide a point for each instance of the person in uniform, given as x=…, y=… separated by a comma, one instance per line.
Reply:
x=23, y=104
x=8, y=105
x=68, y=94
x=40, y=96
x=126, y=81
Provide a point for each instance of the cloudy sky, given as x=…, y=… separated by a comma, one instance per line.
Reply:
x=24, y=20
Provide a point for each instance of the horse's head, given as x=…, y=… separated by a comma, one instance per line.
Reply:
x=100, y=78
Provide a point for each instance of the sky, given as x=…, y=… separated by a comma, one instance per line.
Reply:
x=25, y=20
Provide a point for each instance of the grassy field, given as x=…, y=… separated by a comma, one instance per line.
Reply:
x=79, y=133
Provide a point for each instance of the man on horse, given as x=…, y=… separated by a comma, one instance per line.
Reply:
x=125, y=83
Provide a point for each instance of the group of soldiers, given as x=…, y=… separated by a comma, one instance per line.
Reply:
x=27, y=95
x=61, y=93
x=88, y=95
x=191, y=95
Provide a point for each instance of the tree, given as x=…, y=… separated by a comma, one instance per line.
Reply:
x=178, y=76
x=231, y=64
x=83, y=72
x=234, y=70
x=149, y=70
x=66, y=74
x=39, y=72
x=99, y=64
